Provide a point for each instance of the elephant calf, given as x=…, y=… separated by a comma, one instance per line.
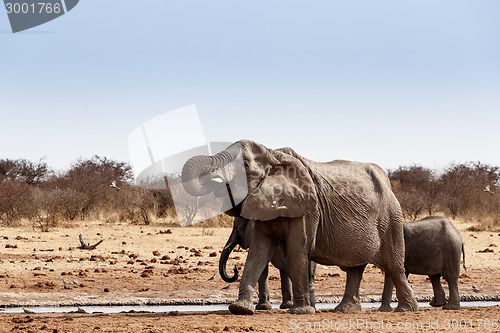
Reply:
x=242, y=235
x=433, y=247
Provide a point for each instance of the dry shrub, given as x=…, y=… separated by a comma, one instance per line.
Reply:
x=470, y=191
x=415, y=188
x=15, y=202
x=219, y=221
x=30, y=190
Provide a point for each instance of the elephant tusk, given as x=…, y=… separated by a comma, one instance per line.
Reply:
x=227, y=246
x=218, y=180
x=276, y=205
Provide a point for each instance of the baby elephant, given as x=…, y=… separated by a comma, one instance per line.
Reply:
x=433, y=247
x=242, y=235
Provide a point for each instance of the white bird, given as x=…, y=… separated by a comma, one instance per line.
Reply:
x=113, y=185
x=475, y=289
x=75, y=282
x=28, y=311
x=80, y=310
x=213, y=277
x=66, y=282
x=488, y=189
x=277, y=204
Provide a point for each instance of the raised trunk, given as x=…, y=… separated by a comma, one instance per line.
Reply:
x=231, y=243
x=198, y=171
x=193, y=170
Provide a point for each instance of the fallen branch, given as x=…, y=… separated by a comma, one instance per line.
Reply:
x=87, y=246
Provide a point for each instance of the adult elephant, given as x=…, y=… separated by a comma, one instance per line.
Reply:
x=242, y=235
x=337, y=213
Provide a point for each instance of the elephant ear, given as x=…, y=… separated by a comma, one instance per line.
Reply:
x=287, y=191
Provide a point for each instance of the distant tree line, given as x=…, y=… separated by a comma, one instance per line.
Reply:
x=468, y=191
x=32, y=191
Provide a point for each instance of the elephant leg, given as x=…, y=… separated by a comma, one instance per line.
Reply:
x=264, y=303
x=439, y=298
x=298, y=249
x=312, y=273
x=404, y=293
x=258, y=257
x=454, y=297
x=350, y=301
x=286, y=290
x=387, y=294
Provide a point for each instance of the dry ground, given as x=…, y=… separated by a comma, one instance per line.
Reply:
x=129, y=268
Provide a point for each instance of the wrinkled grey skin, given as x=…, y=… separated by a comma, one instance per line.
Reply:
x=337, y=213
x=433, y=247
x=242, y=235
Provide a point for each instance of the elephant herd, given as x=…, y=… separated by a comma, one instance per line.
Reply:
x=295, y=213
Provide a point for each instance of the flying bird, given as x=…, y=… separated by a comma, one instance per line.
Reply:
x=226, y=287
x=213, y=277
x=75, y=282
x=66, y=282
x=28, y=311
x=113, y=185
x=165, y=274
x=475, y=289
x=488, y=189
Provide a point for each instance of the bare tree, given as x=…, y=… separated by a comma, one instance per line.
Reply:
x=415, y=188
x=15, y=201
x=461, y=187
x=31, y=173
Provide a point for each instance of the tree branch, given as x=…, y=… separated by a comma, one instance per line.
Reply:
x=87, y=246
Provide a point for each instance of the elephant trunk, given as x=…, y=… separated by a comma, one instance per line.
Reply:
x=231, y=243
x=198, y=176
x=192, y=173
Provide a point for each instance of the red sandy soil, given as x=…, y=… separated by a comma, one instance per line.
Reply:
x=128, y=267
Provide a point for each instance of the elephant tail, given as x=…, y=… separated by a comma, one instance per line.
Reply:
x=463, y=256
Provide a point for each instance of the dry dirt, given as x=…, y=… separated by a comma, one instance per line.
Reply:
x=129, y=267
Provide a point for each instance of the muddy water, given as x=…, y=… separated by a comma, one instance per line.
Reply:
x=194, y=308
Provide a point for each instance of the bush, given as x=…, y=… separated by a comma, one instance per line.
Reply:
x=415, y=188
x=30, y=190
x=15, y=201
x=467, y=190
x=462, y=186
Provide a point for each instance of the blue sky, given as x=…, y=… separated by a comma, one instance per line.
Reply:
x=390, y=82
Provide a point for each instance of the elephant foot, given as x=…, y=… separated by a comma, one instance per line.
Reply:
x=451, y=306
x=437, y=302
x=241, y=308
x=407, y=307
x=305, y=309
x=263, y=306
x=385, y=308
x=347, y=307
x=286, y=305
